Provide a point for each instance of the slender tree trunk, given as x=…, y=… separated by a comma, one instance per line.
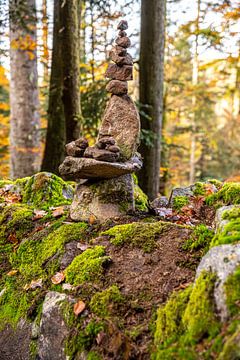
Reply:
x=45, y=52
x=195, y=74
x=151, y=90
x=69, y=20
x=56, y=131
x=25, y=121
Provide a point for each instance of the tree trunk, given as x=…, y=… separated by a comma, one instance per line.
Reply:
x=56, y=131
x=24, y=102
x=195, y=75
x=69, y=20
x=151, y=91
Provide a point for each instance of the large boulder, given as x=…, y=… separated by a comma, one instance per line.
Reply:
x=121, y=121
x=104, y=199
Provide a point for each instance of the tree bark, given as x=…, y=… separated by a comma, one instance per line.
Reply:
x=69, y=20
x=151, y=91
x=24, y=102
x=56, y=131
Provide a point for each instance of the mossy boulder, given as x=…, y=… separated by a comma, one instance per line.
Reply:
x=228, y=194
x=140, y=198
x=45, y=190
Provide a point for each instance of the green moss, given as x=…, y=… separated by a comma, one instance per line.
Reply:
x=231, y=349
x=140, y=198
x=199, y=319
x=199, y=189
x=169, y=317
x=187, y=319
x=44, y=190
x=5, y=182
x=199, y=239
x=36, y=258
x=227, y=195
x=179, y=202
x=234, y=213
x=17, y=219
x=102, y=302
x=232, y=290
x=142, y=235
x=32, y=255
x=216, y=182
x=92, y=355
x=87, y=266
x=229, y=235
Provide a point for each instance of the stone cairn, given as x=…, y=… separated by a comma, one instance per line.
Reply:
x=107, y=190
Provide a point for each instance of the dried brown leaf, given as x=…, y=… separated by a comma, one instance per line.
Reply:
x=79, y=307
x=58, y=278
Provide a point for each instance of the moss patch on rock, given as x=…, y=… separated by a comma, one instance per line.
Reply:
x=44, y=190
x=229, y=235
x=103, y=302
x=141, y=235
x=36, y=260
x=232, y=290
x=228, y=194
x=140, y=198
x=186, y=319
x=179, y=202
x=87, y=266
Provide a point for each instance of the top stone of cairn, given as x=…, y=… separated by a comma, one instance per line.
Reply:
x=123, y=25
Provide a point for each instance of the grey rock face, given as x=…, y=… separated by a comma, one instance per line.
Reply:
x=187, y=191
x=220, y=222
x=223, y=260
x=53, y=330
x=15, y=343
x=103, y=199
x=83, y=168
x=121, y=120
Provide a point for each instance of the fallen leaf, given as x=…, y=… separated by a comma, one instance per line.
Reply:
x=12, y=272
x=12, y=238
x=82, y=247
x=58, y=211
x=79, y=307
x=92, y=219
x=58, y=278
x=39, y=214
x=34, y=284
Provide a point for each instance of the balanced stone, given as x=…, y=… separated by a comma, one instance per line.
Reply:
x=103, y=200
x=119, y=50
x=101, y=154
x=123, y=42
x=121, y=60
x=82, y=143
x=117, y=87
x=122, y=33
x=121, y=121
x=113, y=148
x=104, y=142
x=73, y=150
x=123, y=25
x=123, y=73
x=76, y=169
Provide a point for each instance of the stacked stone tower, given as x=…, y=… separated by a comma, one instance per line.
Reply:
x=107, y=166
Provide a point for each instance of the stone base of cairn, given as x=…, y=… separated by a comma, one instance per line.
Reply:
x=107, y=166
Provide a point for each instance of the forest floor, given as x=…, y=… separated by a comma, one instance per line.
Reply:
x=120, y=272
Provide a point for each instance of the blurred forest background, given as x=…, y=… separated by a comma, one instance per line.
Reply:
x=200, y=118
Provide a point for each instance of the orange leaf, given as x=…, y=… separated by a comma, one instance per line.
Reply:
x=58, y=211
x=58, y=278
x=79, y=307
x=92, y=219
x=12, y=272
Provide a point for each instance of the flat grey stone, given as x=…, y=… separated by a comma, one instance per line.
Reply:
x=84, y=168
